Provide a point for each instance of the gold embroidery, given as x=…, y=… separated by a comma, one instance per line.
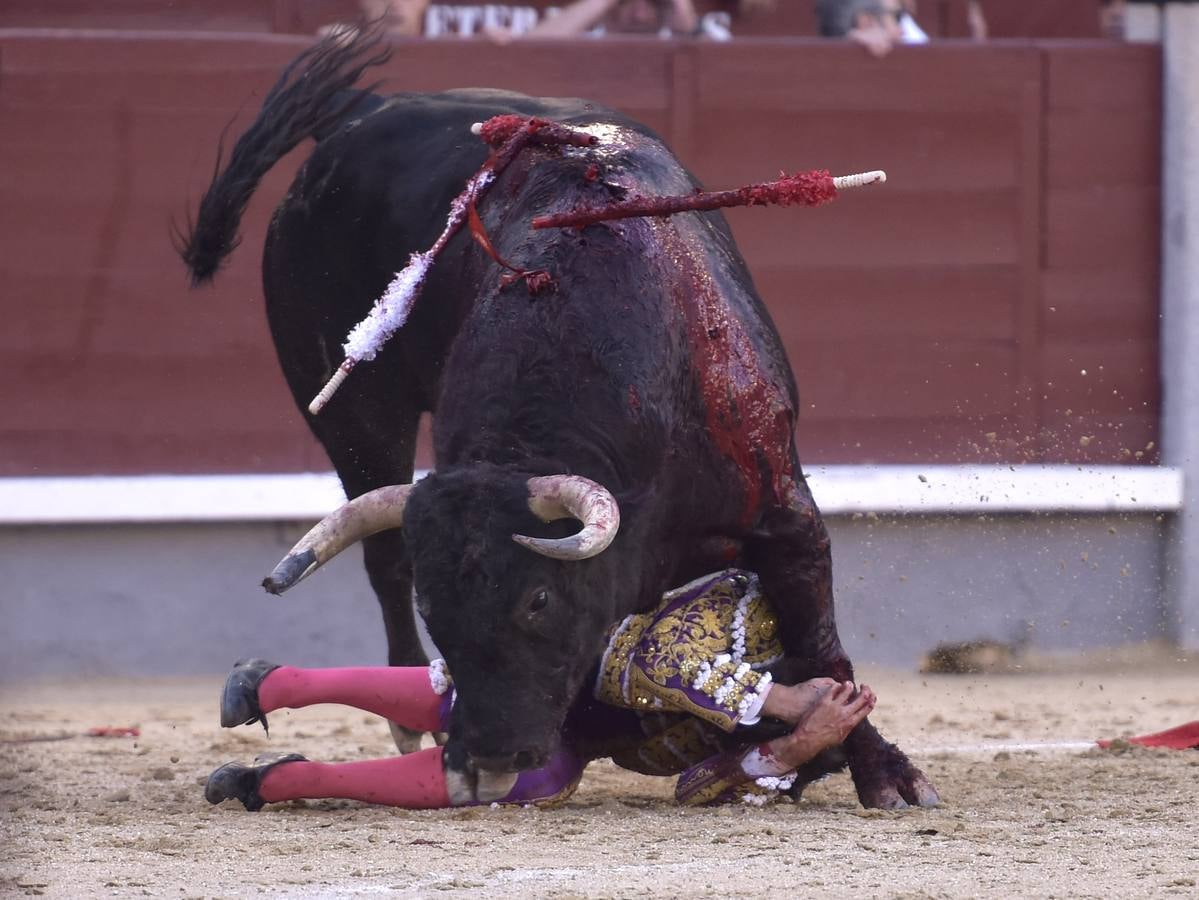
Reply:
x=674, y=644
x=672, y=743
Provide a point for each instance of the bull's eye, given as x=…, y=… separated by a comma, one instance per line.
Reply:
x=539, y=601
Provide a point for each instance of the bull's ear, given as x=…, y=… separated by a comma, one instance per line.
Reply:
x=553, y=497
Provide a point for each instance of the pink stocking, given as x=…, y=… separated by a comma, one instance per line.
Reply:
x=402, y=694
x=415, y=781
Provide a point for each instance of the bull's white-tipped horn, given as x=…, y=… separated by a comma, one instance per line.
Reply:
x=363, y=516
x=553, y=497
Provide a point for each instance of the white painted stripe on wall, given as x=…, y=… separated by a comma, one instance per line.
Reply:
x=995, y=489
x=168, y=498
x=839, y=490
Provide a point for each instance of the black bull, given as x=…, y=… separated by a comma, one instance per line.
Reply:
x=650, y=367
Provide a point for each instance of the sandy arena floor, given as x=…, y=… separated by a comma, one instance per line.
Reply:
x=88, y=817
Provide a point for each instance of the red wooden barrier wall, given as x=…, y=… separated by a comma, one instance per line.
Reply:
x=946, y=317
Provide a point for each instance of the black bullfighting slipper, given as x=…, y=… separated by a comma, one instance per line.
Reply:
x=235, y=781
x=239, y=699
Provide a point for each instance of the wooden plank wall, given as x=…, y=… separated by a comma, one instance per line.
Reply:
x=1101, y=213
x=109, y=364
x=901, y=309
x=1015, y=18
x=944, y=318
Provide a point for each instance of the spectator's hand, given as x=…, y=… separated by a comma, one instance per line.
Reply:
x=342, y=30
x=500, y=36
x=875, y=39
x=572, y=20
x=684, y=18
x=976, y=19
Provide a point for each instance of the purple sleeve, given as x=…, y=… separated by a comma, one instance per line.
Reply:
x=552, y=783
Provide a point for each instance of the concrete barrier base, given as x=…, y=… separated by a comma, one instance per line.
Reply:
x=174, y=599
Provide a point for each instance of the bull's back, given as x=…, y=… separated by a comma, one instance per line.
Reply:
x=377, y=187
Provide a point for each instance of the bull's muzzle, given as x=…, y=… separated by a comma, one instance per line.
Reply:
x=509, y=763
x=478, y=784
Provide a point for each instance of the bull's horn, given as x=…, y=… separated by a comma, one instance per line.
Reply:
x=363, y=516
x=553, y=497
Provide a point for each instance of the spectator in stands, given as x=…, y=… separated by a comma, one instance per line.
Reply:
x=505, y=22
x=975, y=18
x=878, y=25
x=595, y=18
x=1111, y=19
x=405, y=18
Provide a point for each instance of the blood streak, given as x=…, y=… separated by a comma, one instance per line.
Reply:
x=745, y=394
x=748, y=413
x=747, y=407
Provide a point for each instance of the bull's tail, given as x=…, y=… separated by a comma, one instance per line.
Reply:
x=307, y=98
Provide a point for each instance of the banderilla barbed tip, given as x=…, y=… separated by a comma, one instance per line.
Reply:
x=845, y=182
x=331, y=386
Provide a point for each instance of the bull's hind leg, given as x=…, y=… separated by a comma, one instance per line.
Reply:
x=791, y=554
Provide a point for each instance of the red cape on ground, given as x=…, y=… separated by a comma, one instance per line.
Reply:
x=1184, y=737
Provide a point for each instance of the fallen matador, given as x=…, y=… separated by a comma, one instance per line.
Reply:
x=677, y=692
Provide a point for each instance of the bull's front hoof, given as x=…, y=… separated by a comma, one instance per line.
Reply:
x=884, y=776
x=923, y=791
x=898, y=788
